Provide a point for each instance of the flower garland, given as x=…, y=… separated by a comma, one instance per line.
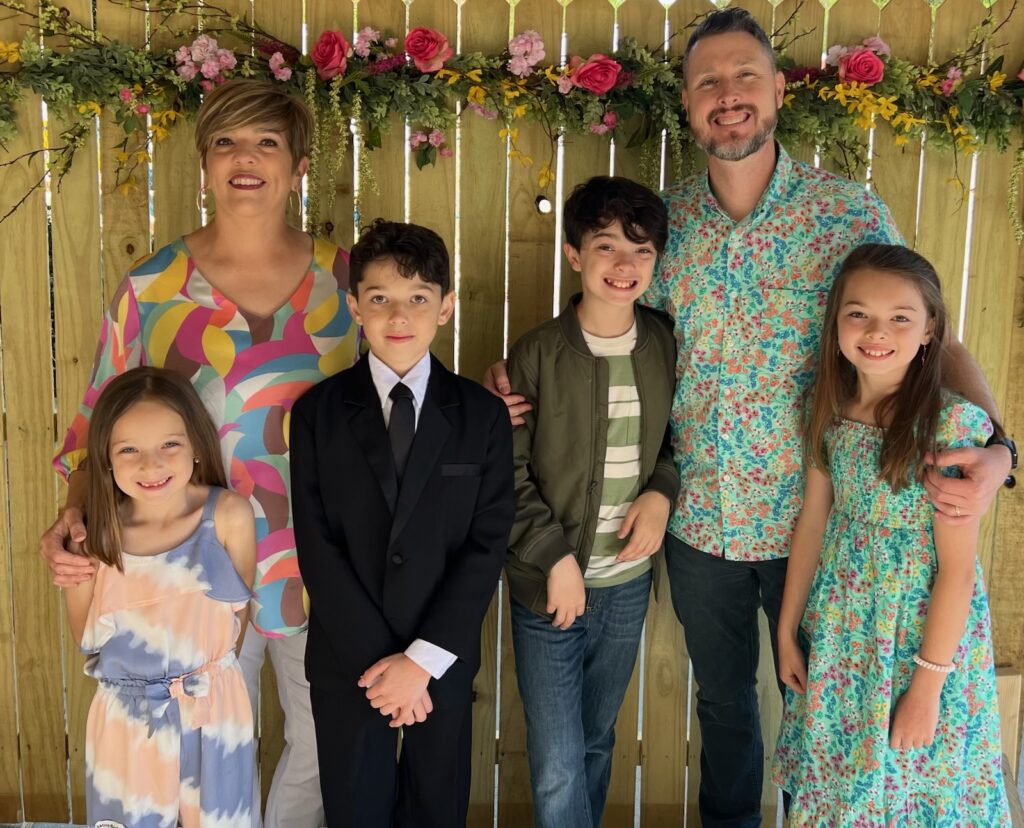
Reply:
x=363, y=87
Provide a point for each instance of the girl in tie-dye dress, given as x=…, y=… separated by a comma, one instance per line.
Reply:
x=169, y=737
x=885, y=641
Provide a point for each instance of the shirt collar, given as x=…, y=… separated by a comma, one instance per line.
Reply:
x=415, y=379
x=776, y=190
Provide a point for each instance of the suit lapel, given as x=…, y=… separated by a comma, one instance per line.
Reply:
x=432, y=432
x=366, y=420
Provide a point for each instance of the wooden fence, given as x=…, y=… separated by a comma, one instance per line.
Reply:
x=60, y=265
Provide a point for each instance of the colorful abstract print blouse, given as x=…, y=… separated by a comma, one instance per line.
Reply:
x=749, y=298
x=248, y=371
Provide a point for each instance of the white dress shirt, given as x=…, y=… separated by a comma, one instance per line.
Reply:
x=435, y=660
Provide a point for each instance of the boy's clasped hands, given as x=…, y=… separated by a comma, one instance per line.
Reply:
x=644, y=524
x=397, y=687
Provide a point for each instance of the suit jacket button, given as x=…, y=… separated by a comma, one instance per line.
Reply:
x=397, y=559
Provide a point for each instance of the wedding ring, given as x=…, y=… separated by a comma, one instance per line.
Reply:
x=957, y=510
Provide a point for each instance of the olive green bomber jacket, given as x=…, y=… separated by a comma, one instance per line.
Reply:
x=560, y=451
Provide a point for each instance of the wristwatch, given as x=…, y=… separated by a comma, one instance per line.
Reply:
x=1010, y=481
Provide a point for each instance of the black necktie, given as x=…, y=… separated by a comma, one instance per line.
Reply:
x=401, y=426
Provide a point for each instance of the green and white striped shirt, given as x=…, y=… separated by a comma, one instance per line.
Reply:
x=621, y=483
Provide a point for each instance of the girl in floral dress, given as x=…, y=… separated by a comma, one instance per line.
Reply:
x=884, y=634
x=169, y=738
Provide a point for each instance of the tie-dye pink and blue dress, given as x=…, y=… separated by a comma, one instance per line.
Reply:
x=169, y=737
x=863, y=624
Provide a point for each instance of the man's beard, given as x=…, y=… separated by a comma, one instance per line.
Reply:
x=738, y=151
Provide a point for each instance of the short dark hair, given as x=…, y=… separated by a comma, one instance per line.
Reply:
x=415, y=250
x=598, y=202
x=729, y=20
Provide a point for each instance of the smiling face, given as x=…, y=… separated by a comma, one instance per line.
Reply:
x=882, y=323
x=732, y=95
x=399, y=315
x=613, y=270
x=251, y=168
x=151, y=455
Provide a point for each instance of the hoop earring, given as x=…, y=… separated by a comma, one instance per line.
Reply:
x=199, y=199
x=298, y=201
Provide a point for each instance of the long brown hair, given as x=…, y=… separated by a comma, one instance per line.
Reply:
x=102, y=496
x=911, y=413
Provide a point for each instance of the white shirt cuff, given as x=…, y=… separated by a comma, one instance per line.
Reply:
x=430, y=657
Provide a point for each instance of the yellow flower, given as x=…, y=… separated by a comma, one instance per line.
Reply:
x=159, y=133
x=552, y=74
x=10, y=52
x=141, y=157
x=995, y=80
x=474, y=75
x=519, y=111
x=864, y=121
x=929, y=81
x=451, y=74
x=121, y=156
x=477, y=95
x=788, y=100
x=126, y=187
x=826, y=94
x=89, y=107
x=512, y=94
x=546, y=176
x=900, y=140
x=512, y=134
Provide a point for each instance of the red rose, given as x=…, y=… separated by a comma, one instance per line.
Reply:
x=427, y=48
x=597, y=75
x=863, y=66
x=330, y=55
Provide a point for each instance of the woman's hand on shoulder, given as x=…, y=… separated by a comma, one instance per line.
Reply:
x=61, y=548
x=235, y=523
x=496, y=381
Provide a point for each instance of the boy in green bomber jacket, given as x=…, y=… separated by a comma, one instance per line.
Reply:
x=595, y=482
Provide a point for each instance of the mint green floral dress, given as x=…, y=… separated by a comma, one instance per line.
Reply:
x=863, y=624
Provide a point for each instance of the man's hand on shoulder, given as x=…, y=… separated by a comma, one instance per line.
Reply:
x=983, y=471
x=496, y=381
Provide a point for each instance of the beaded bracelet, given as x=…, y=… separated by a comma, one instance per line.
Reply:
x=930, y=665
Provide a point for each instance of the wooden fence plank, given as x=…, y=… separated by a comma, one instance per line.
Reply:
x=77, y=308
x=322, y=15
x=28, y=387
x=481, y=301
x=530, y=279
x=388, y=162
x=432, y=189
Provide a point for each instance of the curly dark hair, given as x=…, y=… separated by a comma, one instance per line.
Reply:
x=603, y=199
x=415, y=250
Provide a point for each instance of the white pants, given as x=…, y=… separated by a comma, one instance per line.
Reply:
x=294, y=800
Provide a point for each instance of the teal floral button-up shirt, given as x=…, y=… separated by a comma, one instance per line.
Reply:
x=749, y=299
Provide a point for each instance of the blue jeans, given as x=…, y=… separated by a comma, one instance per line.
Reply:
x=572, y=683
x=717, y=600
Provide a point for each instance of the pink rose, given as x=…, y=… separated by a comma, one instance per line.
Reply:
x=610, y=120
x=125, y=94
x=227, y=59
x=187, y=71
x=202, y=47
x=598, y=75
x=277, y=66
x=877, y=45
x=565, y=84
x=863, y=66
x=436, y=138
x=210, y=67
x=330, y=55
x=206, y=85
x=446, y=152
x=416, y=139
x=598, y=129
x=183, y=55
x=427, y=48
x=142, y=109
x=519, y=66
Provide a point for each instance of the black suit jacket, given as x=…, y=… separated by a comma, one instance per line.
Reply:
x=385, y=566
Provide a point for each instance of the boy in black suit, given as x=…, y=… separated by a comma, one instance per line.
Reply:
x=403, y=500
